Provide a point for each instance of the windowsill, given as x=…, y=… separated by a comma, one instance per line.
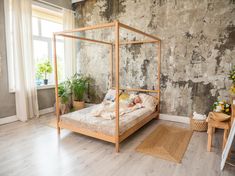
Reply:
x=41, y=87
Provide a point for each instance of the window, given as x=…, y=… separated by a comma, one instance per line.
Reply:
x=44, y=23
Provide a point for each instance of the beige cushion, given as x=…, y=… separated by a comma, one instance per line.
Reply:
x=148, y=101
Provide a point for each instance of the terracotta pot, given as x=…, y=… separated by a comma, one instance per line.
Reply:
x=78, y=105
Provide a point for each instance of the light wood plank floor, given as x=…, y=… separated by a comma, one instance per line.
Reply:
x=33, y=148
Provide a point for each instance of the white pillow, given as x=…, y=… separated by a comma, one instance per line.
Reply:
x=148, y=101
x=110, y=95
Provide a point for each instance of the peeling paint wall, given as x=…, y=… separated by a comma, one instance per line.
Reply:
x=198, y=39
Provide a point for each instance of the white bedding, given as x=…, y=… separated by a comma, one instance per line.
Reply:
x=84, y=119
x=106, y=110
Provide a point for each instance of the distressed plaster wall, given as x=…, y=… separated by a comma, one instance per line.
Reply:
x=198, y=38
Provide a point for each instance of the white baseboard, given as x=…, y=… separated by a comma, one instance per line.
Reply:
x=46, y=111
x=9, y=119
x=174, y=118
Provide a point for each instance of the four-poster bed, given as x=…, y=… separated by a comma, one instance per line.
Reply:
x=117, y=137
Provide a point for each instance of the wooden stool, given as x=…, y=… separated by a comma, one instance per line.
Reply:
x=212, y=124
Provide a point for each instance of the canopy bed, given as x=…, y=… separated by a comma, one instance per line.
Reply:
x=115, y=130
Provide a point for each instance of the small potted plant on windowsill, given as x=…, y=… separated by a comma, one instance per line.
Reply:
x=44, y=68
x=79, y=85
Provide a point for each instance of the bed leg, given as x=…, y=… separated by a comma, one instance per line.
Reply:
x=117, y=147
x=157, y=116
x=58, y=130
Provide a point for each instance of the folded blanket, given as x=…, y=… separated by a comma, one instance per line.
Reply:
x=106, y=110
x=197, y=116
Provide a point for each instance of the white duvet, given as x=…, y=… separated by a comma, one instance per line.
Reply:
x=106, y=109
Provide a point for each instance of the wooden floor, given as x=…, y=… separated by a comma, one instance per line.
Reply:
x=34, y=149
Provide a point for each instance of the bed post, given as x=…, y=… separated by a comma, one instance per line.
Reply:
x=56, y=86
x=117, y=85
x=111, y=66
x=159, y=73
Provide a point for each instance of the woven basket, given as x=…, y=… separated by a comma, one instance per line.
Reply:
x=198, y=125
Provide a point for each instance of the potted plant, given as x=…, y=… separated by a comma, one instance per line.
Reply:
x=44, y=68
x=64, y=95
x=39, y=78
x=222, y=106
x=79, y=85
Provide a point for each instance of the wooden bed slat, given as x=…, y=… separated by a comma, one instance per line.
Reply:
x=137, y=90
x=106, y=137
x=87, y=132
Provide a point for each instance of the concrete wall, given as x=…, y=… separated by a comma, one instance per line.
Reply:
x=46, y=97
x=198, y=39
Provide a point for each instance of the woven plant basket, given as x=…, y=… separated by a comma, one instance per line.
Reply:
x=198, y=125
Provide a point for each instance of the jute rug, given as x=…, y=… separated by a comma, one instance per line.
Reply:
x=166, y=142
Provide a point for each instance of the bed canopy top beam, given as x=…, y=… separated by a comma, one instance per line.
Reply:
x=86, y=39
x=109, y=25
x=138, y=42
x=101, y=26
x=138, y=31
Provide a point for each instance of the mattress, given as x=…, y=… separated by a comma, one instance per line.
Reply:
x=83, y=119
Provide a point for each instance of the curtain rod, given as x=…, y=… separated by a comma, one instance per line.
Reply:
x=53, y=5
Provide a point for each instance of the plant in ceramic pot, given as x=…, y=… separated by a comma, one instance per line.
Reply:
x=79, y=86
x=64, y=96
x=44, y=68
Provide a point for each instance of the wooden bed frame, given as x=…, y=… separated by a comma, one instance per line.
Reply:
x=116, y=25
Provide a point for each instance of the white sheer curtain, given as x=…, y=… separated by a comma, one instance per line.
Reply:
x=69, y=44
x=25, y=87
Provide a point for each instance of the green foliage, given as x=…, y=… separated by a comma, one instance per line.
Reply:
x=39, y=75
x=232, y=89
x=221, y=106
x=231, y=75
x=79, y=85
x=44, y=68
x=64, y=92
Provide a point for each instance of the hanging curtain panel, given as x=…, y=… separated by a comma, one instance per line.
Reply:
x=69, y=44
x=22, y=59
